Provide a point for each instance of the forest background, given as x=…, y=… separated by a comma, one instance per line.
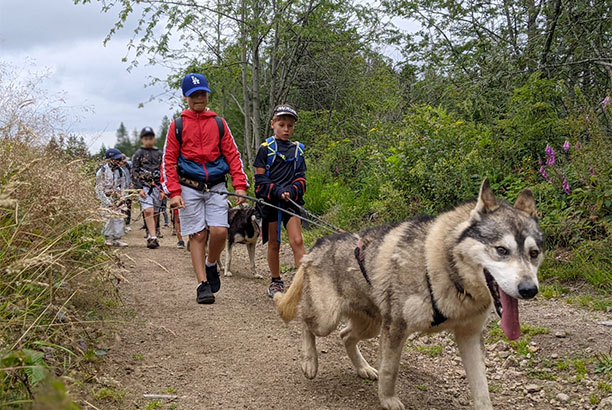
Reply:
x=514, y=90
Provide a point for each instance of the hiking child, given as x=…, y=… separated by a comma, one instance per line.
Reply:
x=279, y=176
x=198, y=153
x=146, y=163
x=126, y=170
x=110, y=184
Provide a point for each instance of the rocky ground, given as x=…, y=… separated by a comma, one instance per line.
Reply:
x=238, y=354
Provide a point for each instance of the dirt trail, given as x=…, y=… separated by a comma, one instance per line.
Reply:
x=238, y=354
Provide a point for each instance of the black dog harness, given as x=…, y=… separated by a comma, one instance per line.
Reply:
x=438, y=317
x=360, y=256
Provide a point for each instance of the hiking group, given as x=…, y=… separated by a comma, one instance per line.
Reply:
x=191, y=175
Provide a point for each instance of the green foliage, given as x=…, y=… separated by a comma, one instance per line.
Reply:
x=604, y=365
x=431, y=351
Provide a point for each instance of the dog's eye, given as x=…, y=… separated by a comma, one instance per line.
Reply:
x=534, y=253
x=502, y=251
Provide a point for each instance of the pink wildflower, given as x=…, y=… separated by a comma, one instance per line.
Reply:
x=566, y=146
x=578, y=146
x=543, y=172
x=591, y=171
x=550, y=155
x=550, y=181
x=588, y=117
x=566, y=186
x=605, y=102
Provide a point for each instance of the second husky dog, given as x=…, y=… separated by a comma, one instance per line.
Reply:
x=423, y=275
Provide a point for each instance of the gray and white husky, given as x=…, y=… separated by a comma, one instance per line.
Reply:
x=423, y=275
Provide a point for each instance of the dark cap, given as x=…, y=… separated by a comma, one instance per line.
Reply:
x=113, y=153
x=146, y=132
x=284, y=109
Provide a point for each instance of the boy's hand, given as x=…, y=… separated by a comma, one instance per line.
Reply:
x=142, y=194
x=285, y=196
x=238, y=199
x=177, y=202
x=162, y=195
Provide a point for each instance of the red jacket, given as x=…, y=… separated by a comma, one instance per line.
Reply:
x=200, y=144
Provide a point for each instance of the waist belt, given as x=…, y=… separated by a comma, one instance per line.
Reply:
x=200, y=186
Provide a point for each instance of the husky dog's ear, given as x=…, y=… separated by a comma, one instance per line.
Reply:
x=486, y=200
x=526, y=203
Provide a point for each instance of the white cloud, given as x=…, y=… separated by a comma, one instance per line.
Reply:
x=68, y=41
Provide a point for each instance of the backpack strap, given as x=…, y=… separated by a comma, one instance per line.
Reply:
x=271, y=144
x=299, y=153
x=178, y=130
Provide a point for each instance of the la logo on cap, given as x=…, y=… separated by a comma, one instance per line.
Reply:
x=195, y=80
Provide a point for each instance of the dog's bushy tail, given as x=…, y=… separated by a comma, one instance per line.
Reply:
x=287, y=303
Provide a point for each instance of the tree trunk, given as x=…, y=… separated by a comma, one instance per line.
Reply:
x=532, y=34
x=245, y=87
x=550, y=32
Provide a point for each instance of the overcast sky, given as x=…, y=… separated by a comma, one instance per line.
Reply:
x=67, y=40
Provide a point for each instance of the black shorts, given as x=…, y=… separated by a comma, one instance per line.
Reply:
x=270, y=215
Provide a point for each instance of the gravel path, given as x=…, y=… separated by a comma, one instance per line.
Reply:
x=238, y=354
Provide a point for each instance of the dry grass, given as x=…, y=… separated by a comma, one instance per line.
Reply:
x=51, y=256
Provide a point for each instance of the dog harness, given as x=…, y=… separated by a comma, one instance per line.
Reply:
x=438, y=317
x=360, y=256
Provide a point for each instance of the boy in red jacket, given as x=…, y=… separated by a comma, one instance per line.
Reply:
x=198, y=153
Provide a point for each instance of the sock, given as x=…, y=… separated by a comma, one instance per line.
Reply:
x=208, y=264
x=152, y=237
x=277, y=279
x=200, y=284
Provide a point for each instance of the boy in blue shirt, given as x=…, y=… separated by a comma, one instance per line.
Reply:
x=279, y=176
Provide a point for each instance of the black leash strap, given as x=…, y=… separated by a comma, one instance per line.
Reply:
x=311, y=215
x=261, y=201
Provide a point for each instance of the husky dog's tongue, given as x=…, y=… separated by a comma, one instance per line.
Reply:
x=510, y=316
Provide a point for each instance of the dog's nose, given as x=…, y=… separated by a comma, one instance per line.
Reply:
x=527, y=289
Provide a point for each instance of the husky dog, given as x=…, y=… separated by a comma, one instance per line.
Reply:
x=423, y=275
x=245, y=227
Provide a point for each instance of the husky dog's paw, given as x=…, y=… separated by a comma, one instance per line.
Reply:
x=368, y=372
x=257, y=275
x=309, y=368
x=227, y=273
x=392, y=403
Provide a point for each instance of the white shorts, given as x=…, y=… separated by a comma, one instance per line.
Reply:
x=203, y=209
x=151, y=200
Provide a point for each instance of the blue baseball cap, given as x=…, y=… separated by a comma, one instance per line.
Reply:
x=113, y=153
x=194, y=82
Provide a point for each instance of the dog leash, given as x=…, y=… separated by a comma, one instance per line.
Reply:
x=261, y=201
x=311, y=215
x=359, y=250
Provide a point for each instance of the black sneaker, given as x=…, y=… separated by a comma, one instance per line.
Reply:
x=212, y=275
x=277, y=286
x=204, y=295
x=152, y=243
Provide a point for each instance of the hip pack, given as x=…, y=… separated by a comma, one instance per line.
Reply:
x=209, y=173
